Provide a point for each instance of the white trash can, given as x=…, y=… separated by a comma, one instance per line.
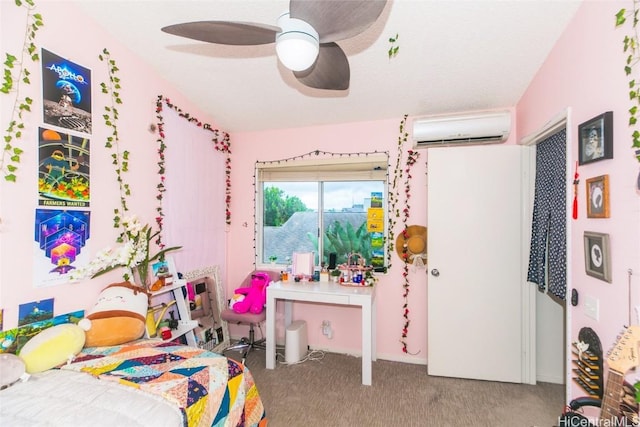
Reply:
x=295, y=344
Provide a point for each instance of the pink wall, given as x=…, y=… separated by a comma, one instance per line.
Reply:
x=140, y=88
x=585, y=74
x=350, y=138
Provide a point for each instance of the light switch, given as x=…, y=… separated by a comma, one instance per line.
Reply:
x=592, y=307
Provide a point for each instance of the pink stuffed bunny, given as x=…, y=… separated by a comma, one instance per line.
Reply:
x=255, y=296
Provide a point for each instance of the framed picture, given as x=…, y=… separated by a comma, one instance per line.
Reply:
x=596, y=139
x=598, y=197
x=161, y=269
x=165, y=270
x=597, y=256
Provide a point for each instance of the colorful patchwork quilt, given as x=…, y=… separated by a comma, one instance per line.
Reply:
x=210, y=389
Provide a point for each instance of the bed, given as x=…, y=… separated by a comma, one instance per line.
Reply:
x=147, y=382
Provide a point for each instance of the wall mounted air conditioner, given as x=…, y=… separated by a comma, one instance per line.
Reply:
x=467, y=129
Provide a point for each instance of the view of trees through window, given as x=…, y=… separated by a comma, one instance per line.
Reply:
x=278, y=207
x=294, y=212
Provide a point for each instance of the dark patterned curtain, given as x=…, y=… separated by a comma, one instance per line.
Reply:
x=548, y=231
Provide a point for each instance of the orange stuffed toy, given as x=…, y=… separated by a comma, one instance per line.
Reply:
x=117, y=317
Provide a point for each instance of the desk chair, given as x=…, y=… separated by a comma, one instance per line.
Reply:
x=246, y=344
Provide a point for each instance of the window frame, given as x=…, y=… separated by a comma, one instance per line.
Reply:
x=352, y=167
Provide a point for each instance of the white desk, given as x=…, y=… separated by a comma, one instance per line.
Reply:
x=330, y=293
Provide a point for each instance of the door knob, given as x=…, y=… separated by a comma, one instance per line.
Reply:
x=435, y=272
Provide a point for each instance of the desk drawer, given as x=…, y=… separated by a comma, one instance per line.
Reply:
x=309, y=296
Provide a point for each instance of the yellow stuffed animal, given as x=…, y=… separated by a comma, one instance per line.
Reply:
x=52, y=347
x=117, y=317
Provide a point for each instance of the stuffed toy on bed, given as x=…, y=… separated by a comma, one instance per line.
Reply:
x=255, y=295
x=52, y=347
x=117, y=317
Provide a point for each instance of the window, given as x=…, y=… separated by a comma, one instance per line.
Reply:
x=334, y=205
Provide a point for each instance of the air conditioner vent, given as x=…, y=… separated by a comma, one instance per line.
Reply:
x=469, y=129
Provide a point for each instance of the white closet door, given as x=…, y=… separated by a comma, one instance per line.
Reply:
x=475, y=262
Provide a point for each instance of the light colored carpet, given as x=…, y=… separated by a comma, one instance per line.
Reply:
x=328, y=392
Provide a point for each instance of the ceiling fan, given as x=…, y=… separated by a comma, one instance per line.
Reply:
x=305, y=37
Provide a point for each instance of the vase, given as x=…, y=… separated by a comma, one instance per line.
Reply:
x=139, y=277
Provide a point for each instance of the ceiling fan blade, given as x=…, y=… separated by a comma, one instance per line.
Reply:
x=225, y=32
x=337, y=19
x=330, y=71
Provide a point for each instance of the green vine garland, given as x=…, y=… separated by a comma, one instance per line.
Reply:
x=16, y=74
x=394, y=194
x=632, y=48
x=393, y=47
x=120, y=159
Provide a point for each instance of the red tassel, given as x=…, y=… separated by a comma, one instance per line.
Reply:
x=576, y=181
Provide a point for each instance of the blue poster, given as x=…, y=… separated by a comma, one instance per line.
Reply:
x=66, y=93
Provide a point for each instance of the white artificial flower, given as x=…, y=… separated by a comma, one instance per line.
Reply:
x=132, y=226
x=133, y=254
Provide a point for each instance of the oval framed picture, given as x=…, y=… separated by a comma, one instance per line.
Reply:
x=598, y=197
x=597, y=256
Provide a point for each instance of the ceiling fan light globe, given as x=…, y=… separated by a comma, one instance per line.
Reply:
x=298, y=44
x=297, y=52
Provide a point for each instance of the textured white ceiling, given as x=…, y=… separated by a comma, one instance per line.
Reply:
x=454, y=56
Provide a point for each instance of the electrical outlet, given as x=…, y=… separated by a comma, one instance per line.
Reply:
x=592, y=307
x=326, y=329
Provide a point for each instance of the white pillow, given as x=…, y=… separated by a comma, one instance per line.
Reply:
x=11, y=369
